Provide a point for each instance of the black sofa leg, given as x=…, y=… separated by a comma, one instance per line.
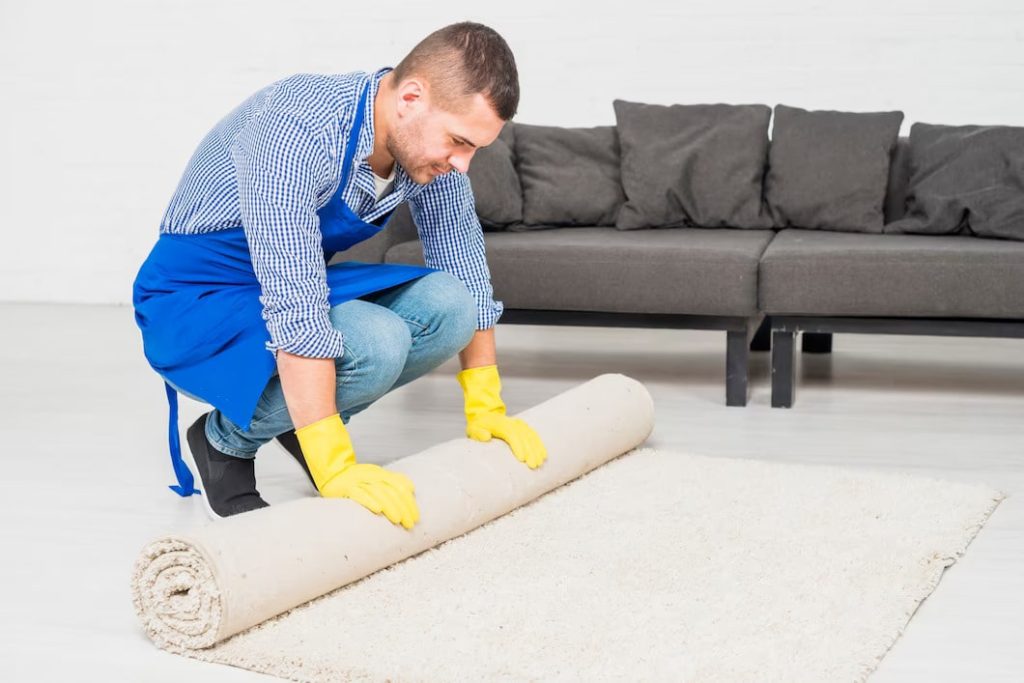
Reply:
x=783, y=368
x=762, y=340
x=736, y=367
x=817, y=342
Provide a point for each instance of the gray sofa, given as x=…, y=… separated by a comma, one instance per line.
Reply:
x=777, y=279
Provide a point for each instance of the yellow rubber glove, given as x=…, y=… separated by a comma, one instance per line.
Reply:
x=485, y=416
x=332, y=462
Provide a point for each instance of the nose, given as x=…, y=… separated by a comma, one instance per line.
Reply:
x=460, y=161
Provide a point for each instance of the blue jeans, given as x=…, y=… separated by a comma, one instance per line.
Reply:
x=390, y=338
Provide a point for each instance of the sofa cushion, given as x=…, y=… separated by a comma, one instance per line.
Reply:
x=570, y=176
x=965, y=180
x=495, y=183
x=683, y=271
x=899, y=179
x=829, y=169
x=695, y=165
x=814, y=272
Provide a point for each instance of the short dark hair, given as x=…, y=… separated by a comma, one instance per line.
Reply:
x=464, y=59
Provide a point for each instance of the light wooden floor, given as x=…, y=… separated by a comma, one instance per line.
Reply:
x=85, y=468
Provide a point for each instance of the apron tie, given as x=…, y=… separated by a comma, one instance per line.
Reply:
x=186, y=484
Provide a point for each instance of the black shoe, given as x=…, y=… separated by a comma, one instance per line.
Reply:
x=290, y=443
x=228, y=483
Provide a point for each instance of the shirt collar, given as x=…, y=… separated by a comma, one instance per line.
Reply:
x=364, y=147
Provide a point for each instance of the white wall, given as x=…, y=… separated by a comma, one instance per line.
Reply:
x=104, y=101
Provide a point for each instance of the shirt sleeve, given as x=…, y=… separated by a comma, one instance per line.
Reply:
x=281, y=169
x=453, y=240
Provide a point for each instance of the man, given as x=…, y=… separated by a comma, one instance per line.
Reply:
x=237, y=305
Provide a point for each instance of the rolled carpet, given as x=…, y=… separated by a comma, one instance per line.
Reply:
x=194, y=589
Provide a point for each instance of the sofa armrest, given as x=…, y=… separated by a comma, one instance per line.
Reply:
x=400, y=228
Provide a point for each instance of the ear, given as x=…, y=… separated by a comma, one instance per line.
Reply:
x=412, y=96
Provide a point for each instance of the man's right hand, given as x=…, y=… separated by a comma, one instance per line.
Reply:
x=328, y=451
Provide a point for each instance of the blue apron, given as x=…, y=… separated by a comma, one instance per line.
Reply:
x=196, y=301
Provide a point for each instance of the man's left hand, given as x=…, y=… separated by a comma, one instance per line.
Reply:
x=486, y=418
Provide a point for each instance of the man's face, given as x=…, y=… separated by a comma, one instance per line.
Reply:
x=428, y=139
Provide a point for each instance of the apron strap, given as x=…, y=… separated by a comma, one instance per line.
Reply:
x=353, y=139
x=186, y=484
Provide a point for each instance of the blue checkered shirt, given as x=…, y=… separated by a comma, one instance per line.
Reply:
x=274, y=161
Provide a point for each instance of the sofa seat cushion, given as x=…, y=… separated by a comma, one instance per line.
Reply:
x=690, y=271
x=814, y=272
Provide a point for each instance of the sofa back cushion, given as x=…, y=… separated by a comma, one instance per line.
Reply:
x=495, y=183
x=695, y=165
x=965, y=180
x=899, y=180
x=829, y=169
x=569, y=176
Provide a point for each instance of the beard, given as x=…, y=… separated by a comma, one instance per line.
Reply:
x=401, y=145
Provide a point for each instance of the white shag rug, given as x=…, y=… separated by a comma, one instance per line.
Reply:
x=657, y=566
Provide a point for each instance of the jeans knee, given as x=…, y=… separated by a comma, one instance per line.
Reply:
x=375, y=354
x=466, y=324
x=453, y=310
